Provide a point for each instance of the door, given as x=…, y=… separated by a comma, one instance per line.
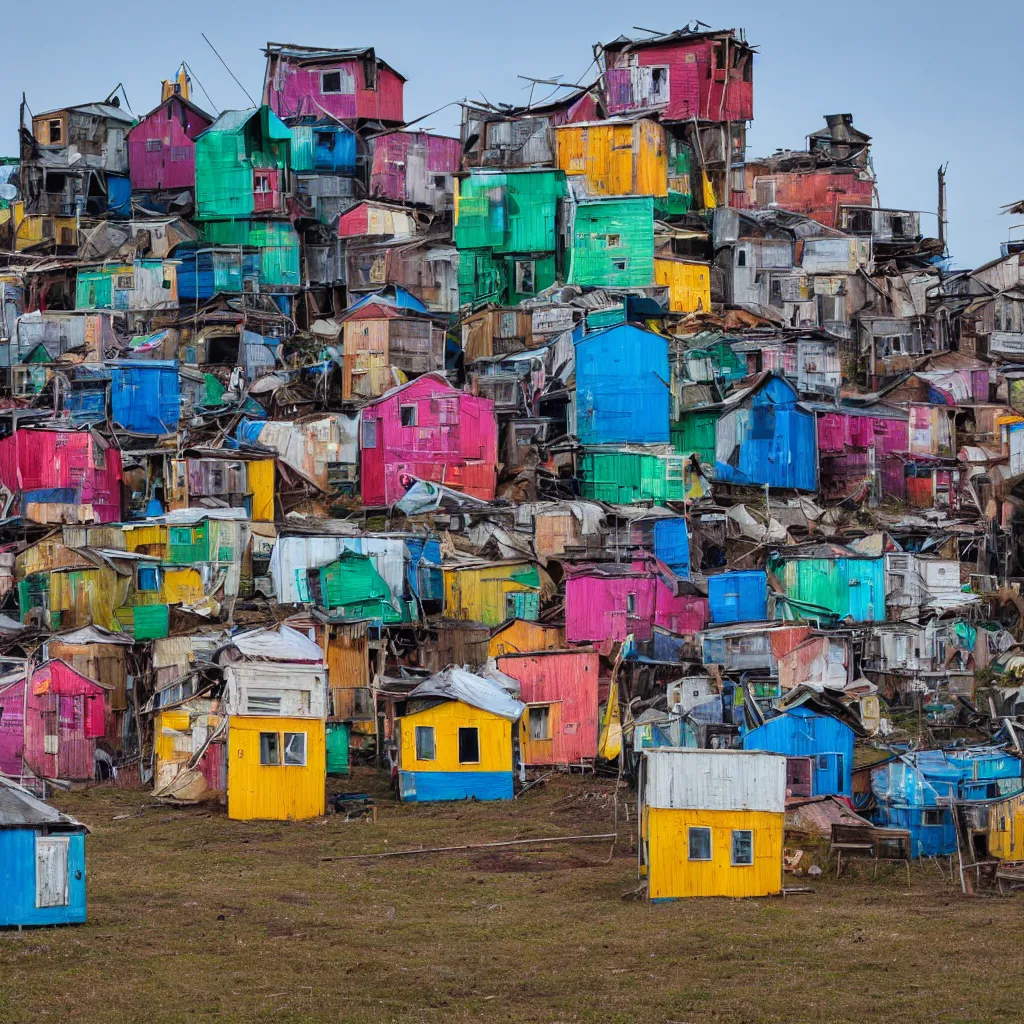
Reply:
x=798, y=776
x=52, y=871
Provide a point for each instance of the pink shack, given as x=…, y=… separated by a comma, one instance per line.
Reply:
x=161, y=150
x=610, y=602
x=559, y=689
x=50, y=723
x=64, y=476
x=427, y=430
x=415, y=167
x=862, y=449
x=351, y=85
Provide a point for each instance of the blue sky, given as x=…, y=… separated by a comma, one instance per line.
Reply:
x=931, y=83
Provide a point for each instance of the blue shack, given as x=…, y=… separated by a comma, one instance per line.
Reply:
x=740, y=596
x=622, y=386
x=818, y=750
x=205, y=271
x=672, y=545
x=323, y=146
x=765, y=437
x=917, y=791
x=145, y=395
x=42, y=861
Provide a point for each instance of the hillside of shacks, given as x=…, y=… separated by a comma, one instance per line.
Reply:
x=587, y=441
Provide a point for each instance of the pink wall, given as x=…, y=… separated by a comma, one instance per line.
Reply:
x=452, y=441
x=571, y=678
x=837, y=431
x=294, y=90
x=443, y=155
x=597, y=608
x=843, y=443
x=174, y=124
x=35, y=459
x=693, y=91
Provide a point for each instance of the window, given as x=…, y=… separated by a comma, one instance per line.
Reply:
x=153, y=145
x=764, y=191
x=742, y=847
x=621, y=264
x=933, y=817
x=330, y=81
x=469, y=746
x=270, y=748
x=897, y=227
x=699, y=840
x=526, y=277
x=257, y=704
x=361, y=703
x=425, y=750
x=440, y=182
x=613, y=241
x=540, y=723
x=261, y=182
x=325, y=140
x=719, y=56
x=408, y=415
x=741, y=257
x=823, y=762
x=1002, y=823
x=55, y=131
x=148, y=579
x=659, y=84
x=370, y=433
x=748, y=68
x=295, y=748
x=631, y=604
x=124, y=282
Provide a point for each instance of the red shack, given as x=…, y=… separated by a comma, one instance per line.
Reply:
x=50, y=731
x=415, y=167
x=351, y=85
x=161, y=150
x=685, y=75
x=428, y=430
x=63, y=475
x=559, y=689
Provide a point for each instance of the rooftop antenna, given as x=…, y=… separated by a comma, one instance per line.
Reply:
x=229, y=71
x=652, y=31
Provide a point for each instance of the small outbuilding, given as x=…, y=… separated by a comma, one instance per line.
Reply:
x=42, y=861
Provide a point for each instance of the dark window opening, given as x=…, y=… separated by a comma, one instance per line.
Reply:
x=469, y=745
x=408, y=415
x=222, y=350
x=719, y=56
x=897, y=226
x=748, y=68
x=933, y=817
x=55, y=132
x=741, y=257
x=330, y=82
x=440, y=181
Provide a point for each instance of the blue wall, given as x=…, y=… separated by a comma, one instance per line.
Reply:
x=420, y=787
x=622, y=390
x=672, y=545
x=771, y=440
x=18, y=881
x=801, y=732
x=196, y=281
x=738, y=596
x=145, y=396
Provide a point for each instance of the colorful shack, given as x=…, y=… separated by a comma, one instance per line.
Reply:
x=455, y=739
x=612, y=242
x=712, y=822
x=52, y=717
x=161, y=147
x=615, y=158
x=829, y=583
x=740, y=596
x=427, y=430
x=42, y=862
x=605, y=603
x=476, y=590
x=622, y=387
x=416, y=167
x=559, y=689
x=859, y=446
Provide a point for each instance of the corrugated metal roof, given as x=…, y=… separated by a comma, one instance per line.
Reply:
x=20, y=809
x=715, y=780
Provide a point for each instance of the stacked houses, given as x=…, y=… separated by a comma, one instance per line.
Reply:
x=326, y=437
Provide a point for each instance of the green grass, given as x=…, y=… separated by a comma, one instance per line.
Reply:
x=193, y=917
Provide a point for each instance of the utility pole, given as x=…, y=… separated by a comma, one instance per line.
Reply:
x=942, y=207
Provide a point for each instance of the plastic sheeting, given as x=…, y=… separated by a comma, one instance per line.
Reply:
x=457, y=684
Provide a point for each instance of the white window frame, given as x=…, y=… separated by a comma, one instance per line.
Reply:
x=291, y=736
x=424, y=730
x=742, y=863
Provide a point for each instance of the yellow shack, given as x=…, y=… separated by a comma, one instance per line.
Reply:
x=521, y=636
x=491, y=592
x=455, y=739
x=688, y=283
x=712, y=822
x=615, y=157
x=1006, y=828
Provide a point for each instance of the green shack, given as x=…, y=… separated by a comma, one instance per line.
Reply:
x=506, y=231
x=351, y=587
x=612, y=242
x=622, y=476
x=694, y=433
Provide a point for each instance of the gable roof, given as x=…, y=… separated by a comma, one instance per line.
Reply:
x=20, y=809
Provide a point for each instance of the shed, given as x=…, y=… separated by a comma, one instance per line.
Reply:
x=712, y=822
x=688, y=283
x=455, y=739
x=145, y=396
x=42, y=862
x=738, y=596
x=612, y=242
x=622, y=386
x=523, y=636
x=559, y=689
x=616, y=157
x=818, y=750
x=161, y=147
x=492, y=592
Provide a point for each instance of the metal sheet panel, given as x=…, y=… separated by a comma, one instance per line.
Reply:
x=715, y=780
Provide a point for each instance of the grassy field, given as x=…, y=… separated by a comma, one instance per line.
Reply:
x=193, y=917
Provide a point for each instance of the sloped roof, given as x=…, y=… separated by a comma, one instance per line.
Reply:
x=282, y=643
x=453, y=683
x=20, y=809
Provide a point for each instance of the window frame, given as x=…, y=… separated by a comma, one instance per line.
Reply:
x=423, y=730
x=476, y=731
x=933, y=812
x=285, y=736
x=691, y=833
x=324, y=91
x=264, y=759
x=540, y=710
x=413, y=420
x=736, y=832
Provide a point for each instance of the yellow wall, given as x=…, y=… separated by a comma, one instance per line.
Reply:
x=447, y=719
x=275, y=792
x=671, y=874
x=85, y=596
x=478, y=595
x=1006, y=828
x=151, y=538
x=260, y=475
x=521, y=637
x=541, y=751
x=28, y=230
x=689, y=284
x=182, y=586
x=616, y=159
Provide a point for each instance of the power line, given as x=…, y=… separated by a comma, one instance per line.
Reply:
x=230, y=72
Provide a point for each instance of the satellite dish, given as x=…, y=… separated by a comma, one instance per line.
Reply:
x=8, y=191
